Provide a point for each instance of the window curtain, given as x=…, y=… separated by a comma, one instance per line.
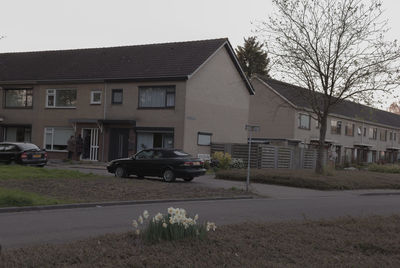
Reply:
x=152, y=97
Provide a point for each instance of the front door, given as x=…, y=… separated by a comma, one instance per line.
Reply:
x=90, y=150
x=118, y=143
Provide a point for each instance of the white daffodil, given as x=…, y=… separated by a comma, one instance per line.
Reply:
x=196, y=217
x=164, y=225
x=140, y=220
x=171, y=210
x=145, y=214
x=211, y=226
x=134, y=223
x=158, y=217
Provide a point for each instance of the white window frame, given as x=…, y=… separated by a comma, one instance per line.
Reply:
x=309, y=121
x=50, y=130
x=53, y=92
x=170, y=90
x=204, y=134
x=92, y=101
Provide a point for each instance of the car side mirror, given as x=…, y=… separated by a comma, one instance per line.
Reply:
x=133, y=157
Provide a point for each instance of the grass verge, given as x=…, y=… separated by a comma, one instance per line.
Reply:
x=24, y=172
x=77, y=187
x=17, y=198
x=337, y=180
x=345, y=242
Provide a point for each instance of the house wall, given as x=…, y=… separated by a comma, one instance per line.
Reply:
x=149, y=117
x=269, y=111
x=349, y=141
x=217, y=102
x=40, y=117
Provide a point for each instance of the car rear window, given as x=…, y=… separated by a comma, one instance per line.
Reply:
x=175, y=153
x=28, y=146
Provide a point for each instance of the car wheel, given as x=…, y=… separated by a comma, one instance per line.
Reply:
x=168, y=175
x=120, y=172
x=188, y=178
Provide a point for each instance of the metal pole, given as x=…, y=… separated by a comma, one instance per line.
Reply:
x=248, y=166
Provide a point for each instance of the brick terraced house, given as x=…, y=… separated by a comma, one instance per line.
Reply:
x=123, y=99
x=356, y=133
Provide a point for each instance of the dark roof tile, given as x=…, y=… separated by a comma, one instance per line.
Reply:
x=154, y=61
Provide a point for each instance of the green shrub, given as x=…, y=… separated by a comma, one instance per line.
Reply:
x=173, y=226
x=384, y=168
x=223, y=159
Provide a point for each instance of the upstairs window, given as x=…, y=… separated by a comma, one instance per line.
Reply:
x=304, y=121
x=336, y=127
x=359, y=131
x=373, y=133
x=117, y=96
x=157, y=97
x=61, y=98
x=383, y=135
x=349, y=129
x=95, y=97
x=18, y=98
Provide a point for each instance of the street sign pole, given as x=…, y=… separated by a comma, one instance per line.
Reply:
x=250, y=129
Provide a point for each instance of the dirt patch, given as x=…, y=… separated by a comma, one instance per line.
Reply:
x=347, y=242
x=338, y=180
x=113, y=189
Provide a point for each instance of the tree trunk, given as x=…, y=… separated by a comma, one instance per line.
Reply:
x=321, y=145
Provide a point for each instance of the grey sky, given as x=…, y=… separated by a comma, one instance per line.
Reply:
x=58, y=24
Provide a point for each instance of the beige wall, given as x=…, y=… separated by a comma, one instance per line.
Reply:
x=40, y=116
x=273, y=114
x=217, y=102
x=349, y=141
x=149, y=117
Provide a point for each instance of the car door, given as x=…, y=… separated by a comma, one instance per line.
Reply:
x=10, y=152
x=2, y=153
x=142, y=163
x=157, y=163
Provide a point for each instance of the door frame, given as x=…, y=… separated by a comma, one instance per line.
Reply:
x=94, y=144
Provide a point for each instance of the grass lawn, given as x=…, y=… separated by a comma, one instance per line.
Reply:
x=53, y=186
x=338, y=180
x=345, y=242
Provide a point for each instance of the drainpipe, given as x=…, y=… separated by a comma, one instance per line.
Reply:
x=104, y=117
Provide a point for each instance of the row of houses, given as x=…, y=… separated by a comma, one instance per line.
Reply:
x=186, y=95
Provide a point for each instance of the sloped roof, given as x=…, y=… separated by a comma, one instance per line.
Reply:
x=345, y=108
x=141, y=62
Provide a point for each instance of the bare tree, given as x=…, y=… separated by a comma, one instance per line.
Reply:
x=334, y=48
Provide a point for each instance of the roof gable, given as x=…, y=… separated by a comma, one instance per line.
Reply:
x=293, y=94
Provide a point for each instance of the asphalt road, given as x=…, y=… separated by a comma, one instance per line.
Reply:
x=56, y=226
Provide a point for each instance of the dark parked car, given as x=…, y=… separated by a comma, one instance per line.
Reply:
x=166, y=163
x=22, y=153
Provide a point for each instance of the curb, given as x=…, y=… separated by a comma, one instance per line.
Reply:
x=115, y=203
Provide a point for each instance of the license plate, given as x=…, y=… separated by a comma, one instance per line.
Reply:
x=196, y=163
x=37, y=156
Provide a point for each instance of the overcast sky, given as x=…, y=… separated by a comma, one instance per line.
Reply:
x=58, y=24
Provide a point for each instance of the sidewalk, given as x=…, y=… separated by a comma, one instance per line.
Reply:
x=77, y=164
x=285, y=192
